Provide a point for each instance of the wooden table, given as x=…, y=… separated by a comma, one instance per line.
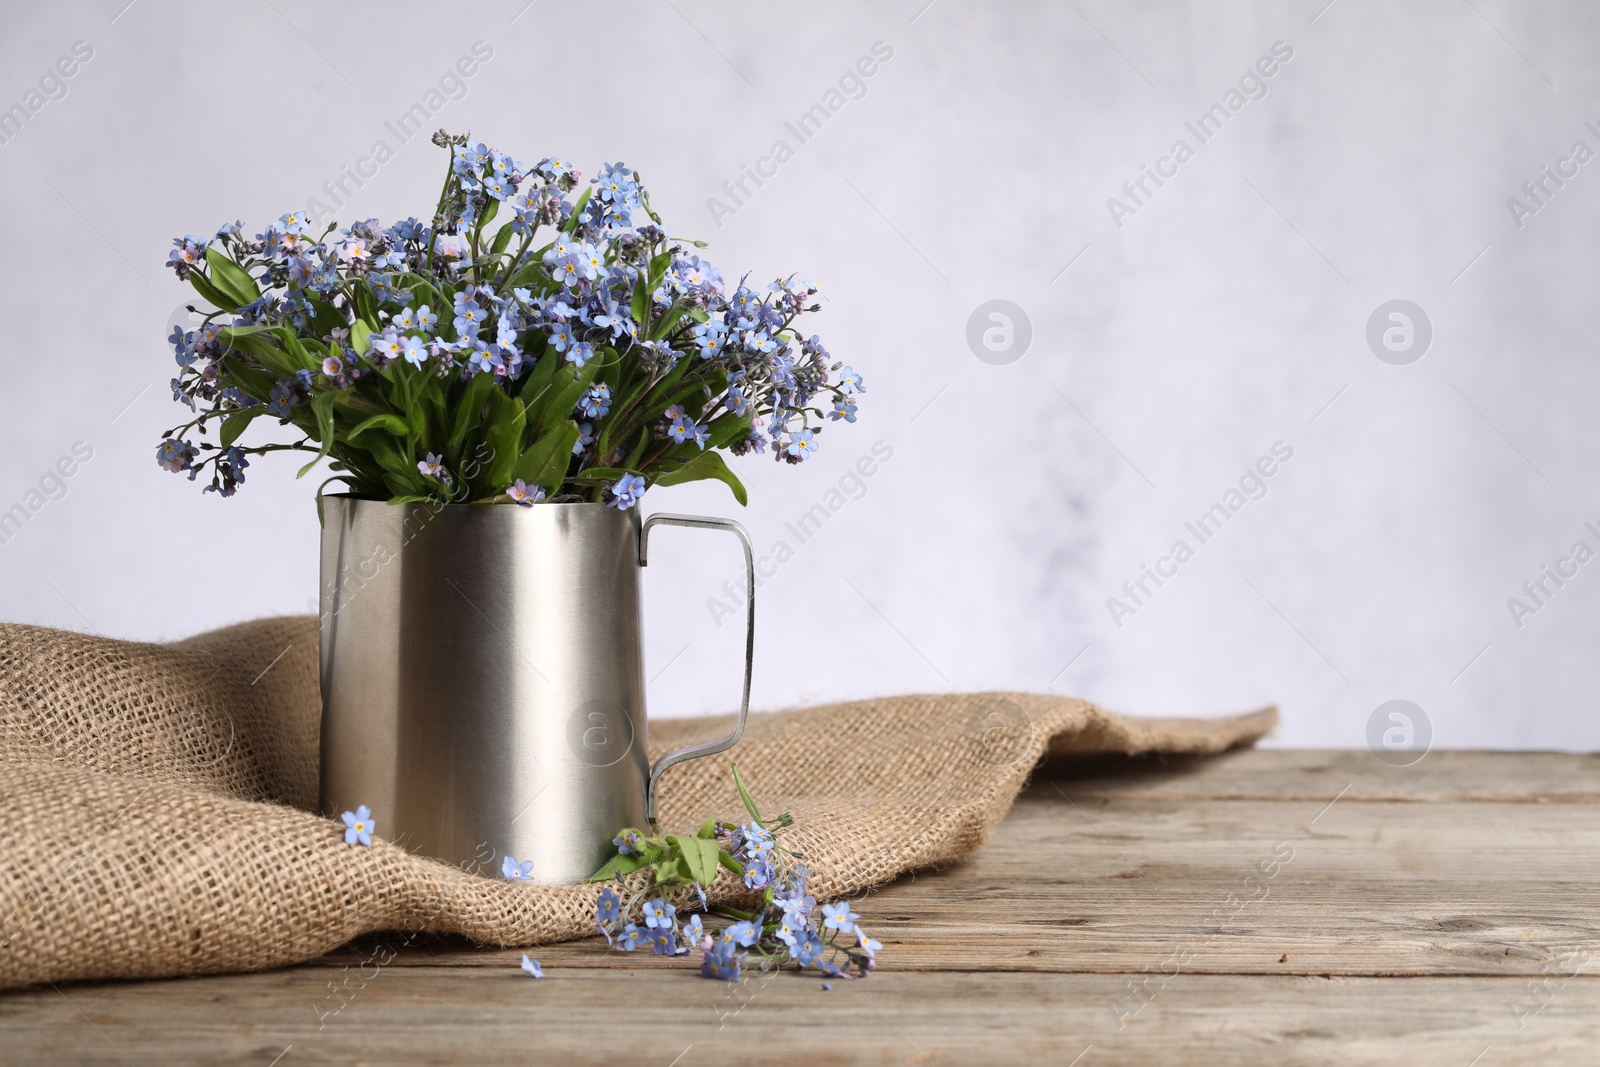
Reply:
x=1273, y=906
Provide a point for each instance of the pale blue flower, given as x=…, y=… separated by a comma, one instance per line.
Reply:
x=358, y=826
x=757, y=874
x=283, y=400
x=564, y=245
x=526, y=494
x=839, y=917
x=803, y=444
x=721, y=962
x=484, y=358
x=517, y=872
x=658, y=914
x=176, y=456
x=415, y=351
x=388, y=346
x=433, y=466
x=568, y=270
x=850, y=381
x=608, y=909
x=596, y=402
x=469, y=316
x=743, y=933
x=532, y=966
x=626, y=493
x=808, y=949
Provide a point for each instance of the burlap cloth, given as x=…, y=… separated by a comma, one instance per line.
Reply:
x=157, y=804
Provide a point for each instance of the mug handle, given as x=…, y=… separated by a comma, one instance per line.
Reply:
x=707, y=748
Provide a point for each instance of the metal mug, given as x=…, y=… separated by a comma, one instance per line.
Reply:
x=483, y=678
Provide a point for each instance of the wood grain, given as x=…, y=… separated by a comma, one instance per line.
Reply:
x=1267, y=906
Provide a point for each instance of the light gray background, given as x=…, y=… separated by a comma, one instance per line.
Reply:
x=1228, y=314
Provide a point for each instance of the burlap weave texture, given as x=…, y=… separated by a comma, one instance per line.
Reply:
x=157, y=803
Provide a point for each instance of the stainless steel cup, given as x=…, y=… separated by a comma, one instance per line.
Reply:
x=483, y=681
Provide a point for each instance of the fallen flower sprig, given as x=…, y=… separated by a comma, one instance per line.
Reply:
x=787, y=927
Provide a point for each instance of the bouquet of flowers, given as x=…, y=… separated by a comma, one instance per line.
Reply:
x=458, y=361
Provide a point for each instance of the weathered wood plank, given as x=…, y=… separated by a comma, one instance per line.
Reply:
x=1306, y=774
x=432, y=1015
x=1358, y=888
x=1156, y=914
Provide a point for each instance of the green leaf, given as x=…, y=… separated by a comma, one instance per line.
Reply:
x=732, y=864
x=296, y=350
x=620, y=865
x=633, y=458
x=503, y=434
x=253, y=380
x=360, y=336
x=393, y=423
x=393, y=461
x=603, y=474
x=725, y=430
x=708, y=858
x=527, y=274
x=665, y=324
x=545, y=464
x=417, y=415
x=688, y=849
x=470, y=411
x=558, y=404
x=366, y=304
x=336, y=478
x=501, y=240
x=257, y=341
x=322, y=408
x=700, y=867
x=210, y=293
x=489, y=213
x=655, y=403
x=231, y=279
x=706, y=465
x=641, y=302
x=234, y=424
x=658, y=269
x=397, y=485
x=708, y=829
x=245, y=331
x=542, y=374
x=744, y=795
x=324, y=319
